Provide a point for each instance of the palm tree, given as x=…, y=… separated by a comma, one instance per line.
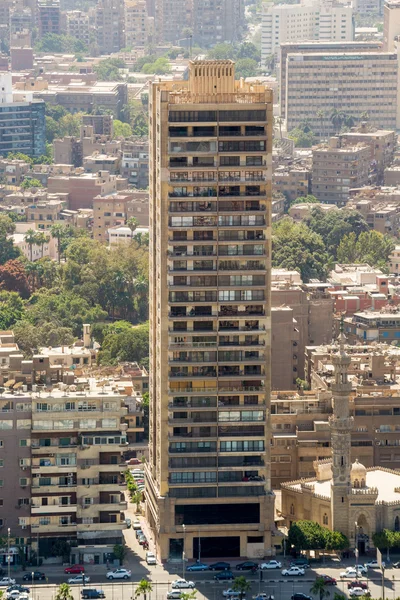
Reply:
x=337, y=118
x=42, y=239
x=31, y=269
x=58, y=231
x=364, y=116
x=241, y=585
x=31, y=240
x=132, y=223
x=142, y=589
x=136, y=497
x=320, y=116
x=64, y=592
x=318, y=588
x=279, y=121
x=349, y=120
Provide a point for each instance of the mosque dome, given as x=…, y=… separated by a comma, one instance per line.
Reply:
x=358, y=475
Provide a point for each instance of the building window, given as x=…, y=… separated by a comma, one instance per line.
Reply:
x=23, y=443
x=325, y=519
x=292, y=509
x=356, y=483
x=23, y=481
x=397, y=524
x=1, y=462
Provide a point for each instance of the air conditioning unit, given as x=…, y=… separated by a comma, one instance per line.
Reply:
x=70, y=474
x=23, y=526
x=24, y=468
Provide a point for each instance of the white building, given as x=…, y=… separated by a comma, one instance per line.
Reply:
x=49, y=249
x=123, y=235
x=323, y=20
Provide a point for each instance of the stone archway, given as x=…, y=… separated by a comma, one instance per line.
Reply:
x=363, y=533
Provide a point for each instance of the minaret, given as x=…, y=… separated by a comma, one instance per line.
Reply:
x=341, y=424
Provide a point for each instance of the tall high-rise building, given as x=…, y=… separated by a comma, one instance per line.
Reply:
x=216, y=21
x=172, y=17
x=22, y=124
x=109, y=19
x=49, y=14
x=391, y=24
x=77, y=23
x=136, y=23
x=324, y=20
x=208, y=477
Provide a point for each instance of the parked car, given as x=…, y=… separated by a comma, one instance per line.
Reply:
x=328, y=580
x=373, y=564
x=271, y=564
x=182, y=584
x=74, y=570
x=230, y=593
x=7, y=581
x=220, y=566
x=248, y=565
x=358, y=591
x=263, y=596
x=37, y=576
x=14, y=595
x=300, y=596
x=151, y=558
x=19, y=588
x=197, y=567
x=174, y=595
x=138, y=533
x=92, y=593
x=136, y=525
x=353, y=572
x=142, y=540
x=119, y=574
x=79, y=579
x=293, y=571
x=356, y=583
x=128, y=523
x=224, y=576
x=300, y=562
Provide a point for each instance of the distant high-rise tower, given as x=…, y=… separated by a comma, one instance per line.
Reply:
x=216, y=21
x=172, y=18
x=208, y=476
x=136, y=23
x=110, y=25
x=341, y=424
x=48, y=14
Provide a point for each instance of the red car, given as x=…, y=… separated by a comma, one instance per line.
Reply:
x=328, y=580
x=357, y=584
x=75, y=569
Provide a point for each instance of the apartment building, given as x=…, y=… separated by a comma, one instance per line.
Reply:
x=83, y=187
x=28, y=116
x=292, y=181
x=379, y=326
x=217, y=21
x=336, y=169
x=382, y=144
x=316, y=47
x=207, y=479
x=109, y=211
x=391, y=24
x=324, y=20
x=135, y=163
x=394, y=261
x=77, y=23
x=13, y=171
x=77, y=487
x=102, y=162
x=109, y=24
x=49, y=15
x=136, y=24
x=354, y=83
x=172, y=17
x=102, y=124
x=45, y=213
x=383, y=217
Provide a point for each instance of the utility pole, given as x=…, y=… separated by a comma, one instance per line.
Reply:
x=8, y=554
x=183, y=551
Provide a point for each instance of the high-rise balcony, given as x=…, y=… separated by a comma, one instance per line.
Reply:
x=243, y=432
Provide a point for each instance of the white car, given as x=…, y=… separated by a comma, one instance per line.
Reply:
x=353, y=572
x=14, y=595
x=230, y=593
x=7, y=581
x=271, y=564
x=79, y=579
x=293, y=571
x=119, y=574
x=182, y=584
x=373, y=564
x=137, y=524
x=150, y=558
x=174, y=595
x=357, y=591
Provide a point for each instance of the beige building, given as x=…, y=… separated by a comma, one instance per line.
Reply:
x=292, y=181
x=136, y=24
x=109, y=211
x=77, y=23
x=171, y=18
x=382, y=145
x=345, y=496
x=208, y=475
x=394, y=261
x=391, y=24
x=338, y=168
x=109, y=23
x=217, y=21
x=343, y=81
x=82, y=187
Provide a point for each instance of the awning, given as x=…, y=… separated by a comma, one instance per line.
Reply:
x=87, y=535
x=18, y=385
x=9, y=383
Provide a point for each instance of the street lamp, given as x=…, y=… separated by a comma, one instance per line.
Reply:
x=8, y=553
x=33, y=577
x=183, y=551
x=199, y=545
x=356, y=546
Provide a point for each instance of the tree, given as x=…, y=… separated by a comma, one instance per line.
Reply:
x=248, y=50
x=302, y=139
x=108, y=69
x=224, y=51
x=42, y=239
x=137, y=498
x=279, y=121
x=28, y=182
x=306, y=535
x=132, y=223
x=241, y=585
x=7, y=248
x=13, y=278
x=130, y=345
x=119, y=552
x=58, y=231
x=337, y=118
x=146, y=409
x=335, y=540
x=122, y=129
x=333, y=225
x=61, y=548
x=11, y=309
x=64, y=592
x=160, y=66
x=31, y=239
x=319, y=588
x=386, y=539
x=371, y=247
x=246, y=67
x=51, y=42
x=144, y=587
x=296, y=247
